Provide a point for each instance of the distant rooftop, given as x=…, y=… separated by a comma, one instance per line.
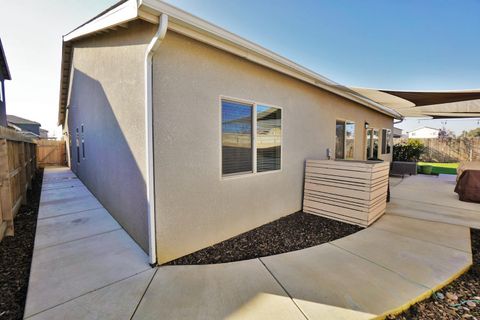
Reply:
x=18, y=120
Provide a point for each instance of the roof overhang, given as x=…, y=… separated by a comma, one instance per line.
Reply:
x=430, y=104
x=201, y=30
x=3, y=64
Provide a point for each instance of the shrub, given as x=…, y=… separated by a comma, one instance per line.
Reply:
x=410, y=151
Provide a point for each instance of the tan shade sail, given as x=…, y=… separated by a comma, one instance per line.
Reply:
x=437, y=105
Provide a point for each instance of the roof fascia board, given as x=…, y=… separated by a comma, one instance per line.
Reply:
x=201, y=30
x=126, y=12
x=6, y=75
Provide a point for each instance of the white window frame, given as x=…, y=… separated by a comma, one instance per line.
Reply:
x=254, y=105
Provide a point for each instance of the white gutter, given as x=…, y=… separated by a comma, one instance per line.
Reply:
x=154, y=44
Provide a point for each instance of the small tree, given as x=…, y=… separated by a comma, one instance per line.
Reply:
x=409, y=151
x=444, y=134
x=474, y=133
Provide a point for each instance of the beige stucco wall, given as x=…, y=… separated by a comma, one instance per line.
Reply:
x=107, y=97
x=196, y=207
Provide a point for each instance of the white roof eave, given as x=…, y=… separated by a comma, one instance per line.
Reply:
x=201, y=30
x=125, y=12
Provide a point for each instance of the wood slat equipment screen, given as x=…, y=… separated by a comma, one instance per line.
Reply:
x=350, y=191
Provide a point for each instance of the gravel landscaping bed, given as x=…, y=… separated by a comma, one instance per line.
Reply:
x=16, y=256
x=458, y=300
x=294, y=232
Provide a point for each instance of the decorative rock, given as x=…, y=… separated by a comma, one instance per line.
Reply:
x=440, y=295
x=452, y=296
x=471, y=304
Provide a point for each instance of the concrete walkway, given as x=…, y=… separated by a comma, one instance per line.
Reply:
x=86, y=267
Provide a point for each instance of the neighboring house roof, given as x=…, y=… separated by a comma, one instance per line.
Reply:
x=17, y=120
x=25, y=133
x=201, y=30
x=3, y=64
x=424, y=128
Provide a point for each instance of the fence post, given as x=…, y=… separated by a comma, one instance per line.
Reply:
x=5, y=197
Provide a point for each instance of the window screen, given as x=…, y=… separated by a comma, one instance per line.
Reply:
x=269, y=138
x=236, y=137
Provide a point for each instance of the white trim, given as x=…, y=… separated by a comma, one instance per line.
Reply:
x=123, y=13
x=150, y=183
x=254, y=171
x=201, y=30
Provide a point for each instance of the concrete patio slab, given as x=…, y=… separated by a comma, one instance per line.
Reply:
x=64, y=193
x=318, y=311
x=431, y=212
x=61, y=229
x=422, y=262
x=66, y=271
x=63, y=184
x=86, y=267
x=113, y=302
x=435, y=190
x=457, y=237
x=74, y=204
x=326, y=275
x=239, y=290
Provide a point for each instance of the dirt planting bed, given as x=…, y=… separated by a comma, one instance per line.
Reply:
x=459, y=300
x=294, y=232
x=16, y=256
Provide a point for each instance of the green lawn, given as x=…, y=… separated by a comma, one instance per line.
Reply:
x=444, y=168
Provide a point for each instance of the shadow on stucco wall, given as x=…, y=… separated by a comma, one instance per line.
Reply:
x=110, y=169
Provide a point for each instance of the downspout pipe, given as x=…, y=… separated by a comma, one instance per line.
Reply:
x=152, y=47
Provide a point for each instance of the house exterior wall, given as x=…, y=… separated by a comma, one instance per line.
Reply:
x=107, y=98
x=424, y=133
x=195, y=206
x=34, y=128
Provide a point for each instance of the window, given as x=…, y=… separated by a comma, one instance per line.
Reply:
x=269, y=136
x=345, y=139
x=83, y=143
x=1, y=92
x=77, y=140
x=251, y=138
x=386, y=141
x=371, y=144
x=375, y=144
x=236, y=137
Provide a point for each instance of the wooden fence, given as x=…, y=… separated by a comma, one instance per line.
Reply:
x=51, y=153
x=448, y=149
x=17, y=170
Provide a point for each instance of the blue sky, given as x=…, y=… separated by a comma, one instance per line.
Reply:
x=407, y=44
